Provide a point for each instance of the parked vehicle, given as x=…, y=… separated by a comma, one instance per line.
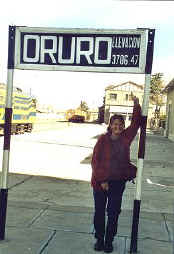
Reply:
x=77, y=119
x=24, y=110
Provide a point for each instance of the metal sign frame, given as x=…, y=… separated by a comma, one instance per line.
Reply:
x=14, y=58
x=93, y=37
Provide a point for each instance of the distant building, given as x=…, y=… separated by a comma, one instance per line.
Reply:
x=93, y=114
x=169, y=127
x=117, y=101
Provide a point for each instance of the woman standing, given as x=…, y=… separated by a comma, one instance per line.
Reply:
x=110, y=171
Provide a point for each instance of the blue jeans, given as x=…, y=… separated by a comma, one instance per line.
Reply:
x=113, y=199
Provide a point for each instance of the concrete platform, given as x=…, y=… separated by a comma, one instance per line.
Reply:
x=45, y=229
x=24, y=240
x=49, y=215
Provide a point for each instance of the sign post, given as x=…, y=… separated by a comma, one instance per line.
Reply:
x=87, y=50
x=7, y=133
x=142, y=142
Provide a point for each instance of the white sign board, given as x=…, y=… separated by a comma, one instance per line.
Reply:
x=81, y=49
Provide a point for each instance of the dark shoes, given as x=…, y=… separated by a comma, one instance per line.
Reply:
x=99, y=245
x=108, y=248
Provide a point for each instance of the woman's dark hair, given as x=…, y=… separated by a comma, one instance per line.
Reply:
x=113, y=118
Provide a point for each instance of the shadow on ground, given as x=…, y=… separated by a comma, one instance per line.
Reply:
x=87, y=160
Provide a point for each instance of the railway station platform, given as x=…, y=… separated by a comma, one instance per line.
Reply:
x=47, y=215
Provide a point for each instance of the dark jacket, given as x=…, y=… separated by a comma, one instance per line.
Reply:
x=101, y=170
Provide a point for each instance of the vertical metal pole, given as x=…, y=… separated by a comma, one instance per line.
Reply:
x=7, y=133
x=142, y=141
x=140, y=164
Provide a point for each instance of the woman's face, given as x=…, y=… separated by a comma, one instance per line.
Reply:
x=117, y=127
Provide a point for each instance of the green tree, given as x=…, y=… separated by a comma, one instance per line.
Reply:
x=156, y=93
x=83, y=106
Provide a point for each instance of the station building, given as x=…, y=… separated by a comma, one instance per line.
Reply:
x=117, y=101
x=169, y=127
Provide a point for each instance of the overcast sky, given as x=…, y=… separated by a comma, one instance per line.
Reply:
x=66, y=89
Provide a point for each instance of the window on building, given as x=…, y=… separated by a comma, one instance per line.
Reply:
x=127, y=96
x=113, y=96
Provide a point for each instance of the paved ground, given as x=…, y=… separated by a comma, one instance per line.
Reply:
x=48, y=215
